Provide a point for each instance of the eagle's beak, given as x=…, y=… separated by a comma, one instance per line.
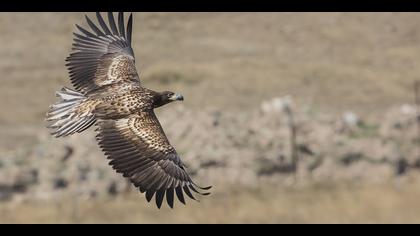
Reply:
x=177, y=97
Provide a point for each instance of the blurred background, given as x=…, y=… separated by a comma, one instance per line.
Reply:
x=292, y=117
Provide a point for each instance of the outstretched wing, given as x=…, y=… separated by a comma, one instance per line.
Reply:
x=103, y=57
x=138, y=148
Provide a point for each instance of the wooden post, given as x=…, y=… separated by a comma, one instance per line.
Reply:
x=417, y=104
x=293, y=137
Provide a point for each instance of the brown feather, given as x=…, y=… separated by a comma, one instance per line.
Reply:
x=144, y=139
x=109, y=93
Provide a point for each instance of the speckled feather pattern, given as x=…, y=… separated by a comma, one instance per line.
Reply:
x=146, y=126
x=122, y=99
x=115, y=68
x=108, y=92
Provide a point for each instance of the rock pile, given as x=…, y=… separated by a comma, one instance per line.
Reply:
x=250, y=149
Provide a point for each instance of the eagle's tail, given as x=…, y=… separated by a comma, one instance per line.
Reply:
x=69, y=115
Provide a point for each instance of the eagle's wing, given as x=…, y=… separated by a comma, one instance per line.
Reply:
x=103, y=57
x=138, y=148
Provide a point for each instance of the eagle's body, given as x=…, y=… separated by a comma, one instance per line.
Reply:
x=108, y=93
x=119, y=100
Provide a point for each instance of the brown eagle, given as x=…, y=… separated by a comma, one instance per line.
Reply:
x=108, y=93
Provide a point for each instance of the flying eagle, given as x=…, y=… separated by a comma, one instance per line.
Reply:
x=107, y=92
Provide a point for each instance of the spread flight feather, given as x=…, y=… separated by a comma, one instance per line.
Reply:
x=107, y=92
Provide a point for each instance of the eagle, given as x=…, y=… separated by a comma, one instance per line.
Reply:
x=108, y=93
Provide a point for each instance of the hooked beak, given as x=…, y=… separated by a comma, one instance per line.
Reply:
x=177, y=97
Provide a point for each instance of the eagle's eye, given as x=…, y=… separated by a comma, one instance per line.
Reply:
x=170, y=95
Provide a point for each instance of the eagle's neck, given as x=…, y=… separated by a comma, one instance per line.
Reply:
x=159, y=100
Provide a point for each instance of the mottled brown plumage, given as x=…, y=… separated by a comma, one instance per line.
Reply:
x=108, y=92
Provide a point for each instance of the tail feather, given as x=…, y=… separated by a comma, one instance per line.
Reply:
x=68, y=115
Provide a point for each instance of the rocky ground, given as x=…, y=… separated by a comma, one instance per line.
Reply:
x=227, y=149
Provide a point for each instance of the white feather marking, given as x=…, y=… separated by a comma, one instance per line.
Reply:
x=69, y=91
x=64, y=104
x=54, y=116
x=66, y=96
x=61, y=122
x=64, y=117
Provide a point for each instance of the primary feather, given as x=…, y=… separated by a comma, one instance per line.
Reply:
x=108, y=92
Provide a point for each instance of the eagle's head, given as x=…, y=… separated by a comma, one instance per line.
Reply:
x=167, y=97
